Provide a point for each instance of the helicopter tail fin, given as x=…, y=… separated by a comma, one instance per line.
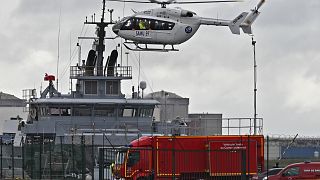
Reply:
x=234, y=25
x=246, y=24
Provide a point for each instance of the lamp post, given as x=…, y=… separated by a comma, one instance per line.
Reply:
x=253, y=42
x=165, y=113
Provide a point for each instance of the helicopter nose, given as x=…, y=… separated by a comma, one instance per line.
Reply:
x=116, y=28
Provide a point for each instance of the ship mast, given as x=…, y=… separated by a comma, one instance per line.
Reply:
x=101, y=33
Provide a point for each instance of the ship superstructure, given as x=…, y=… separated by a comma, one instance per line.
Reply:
x=97, y=104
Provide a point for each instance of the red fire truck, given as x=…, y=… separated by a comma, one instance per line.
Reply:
x=190, y=157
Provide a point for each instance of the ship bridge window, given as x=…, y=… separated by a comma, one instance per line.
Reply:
x=112, y=87
x=146, y=112
x=81, y=111
x=54, y=111
x=103, y=111
x=91, y=87
x=129, y=112
x=65, y=111
x=34, y=113
x=44, y=111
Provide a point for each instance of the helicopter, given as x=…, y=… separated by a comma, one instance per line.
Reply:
x=173, y=26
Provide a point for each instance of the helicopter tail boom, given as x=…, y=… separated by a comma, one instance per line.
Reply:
x=243, y=21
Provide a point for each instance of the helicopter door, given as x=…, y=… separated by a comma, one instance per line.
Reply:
x=164, y=31
x=143, y=30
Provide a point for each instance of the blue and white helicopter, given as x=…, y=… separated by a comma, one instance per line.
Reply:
x=167, y=26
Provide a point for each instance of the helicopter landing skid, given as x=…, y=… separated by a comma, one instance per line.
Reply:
x=139, y=48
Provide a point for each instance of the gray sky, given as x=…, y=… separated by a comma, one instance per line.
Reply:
x=214, y=68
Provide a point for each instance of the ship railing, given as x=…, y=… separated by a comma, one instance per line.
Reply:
x=215, y=126
x=116, y=71
x=241, y=126
x=28, y=95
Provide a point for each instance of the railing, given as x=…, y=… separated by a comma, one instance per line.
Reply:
x=239, y=126
x=42, y=159
x=214, y=126
x=117, y=71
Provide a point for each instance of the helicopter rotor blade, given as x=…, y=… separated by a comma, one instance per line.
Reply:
x=177, y=2
x=202, y=2
x=133, y=1
x=260, y=4
x=172, y=1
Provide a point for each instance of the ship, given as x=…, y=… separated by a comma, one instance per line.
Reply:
x=63, y=133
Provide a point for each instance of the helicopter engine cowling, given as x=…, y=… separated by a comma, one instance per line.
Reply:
x=185, y=13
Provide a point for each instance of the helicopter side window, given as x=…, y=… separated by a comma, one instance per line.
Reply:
x=163, y=25
x=157, y=25
x=170, y=26
x=142, y=24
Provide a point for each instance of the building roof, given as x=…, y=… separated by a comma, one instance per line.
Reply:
x=8, y=100
x=162, y=94
x=6, y=96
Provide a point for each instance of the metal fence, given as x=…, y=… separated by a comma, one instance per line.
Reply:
x=147, y=163
x=81, y=158
x=49, y=159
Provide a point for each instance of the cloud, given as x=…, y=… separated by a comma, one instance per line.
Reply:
x=303, y=93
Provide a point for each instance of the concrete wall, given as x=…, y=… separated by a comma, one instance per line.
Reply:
x=7, y=125
x=205, y=124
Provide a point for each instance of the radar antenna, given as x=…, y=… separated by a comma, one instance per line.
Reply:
x=103, y=10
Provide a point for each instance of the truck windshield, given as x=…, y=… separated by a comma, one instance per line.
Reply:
x=294, y=171
x=133, y=158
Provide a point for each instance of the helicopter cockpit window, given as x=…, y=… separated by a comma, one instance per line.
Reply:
x=128, y=25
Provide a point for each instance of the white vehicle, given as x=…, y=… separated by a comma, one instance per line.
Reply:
x=167, y=26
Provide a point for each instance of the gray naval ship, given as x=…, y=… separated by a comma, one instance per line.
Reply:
x=65, y=134
x=96, y=106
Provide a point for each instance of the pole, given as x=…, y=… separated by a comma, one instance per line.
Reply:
x=12, y=157
x=267, y=156
x=254, y=86
x=40, y=150
x=62, y=158
x=50, y=159
x=92, y=156
x=83, y=158
x=1, y=158
x=22, y=155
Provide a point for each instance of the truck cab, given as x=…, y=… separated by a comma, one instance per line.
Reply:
x=304, y=170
